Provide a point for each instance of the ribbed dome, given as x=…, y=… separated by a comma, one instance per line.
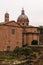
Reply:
x=22, y=17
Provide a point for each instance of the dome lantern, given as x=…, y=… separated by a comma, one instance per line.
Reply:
x=22, y=11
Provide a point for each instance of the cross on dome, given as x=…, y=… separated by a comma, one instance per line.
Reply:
x=22, y=10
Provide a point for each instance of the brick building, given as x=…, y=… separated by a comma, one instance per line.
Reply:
x=17, y=33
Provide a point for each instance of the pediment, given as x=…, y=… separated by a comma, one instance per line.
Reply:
x=12, y=23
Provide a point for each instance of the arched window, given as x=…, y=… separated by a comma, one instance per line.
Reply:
x=23, y=23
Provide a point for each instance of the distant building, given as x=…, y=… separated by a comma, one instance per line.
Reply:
x=18, y=33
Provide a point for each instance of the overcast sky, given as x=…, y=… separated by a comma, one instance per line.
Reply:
x=33, y=9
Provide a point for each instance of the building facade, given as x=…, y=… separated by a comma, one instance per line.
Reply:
x=18, y=33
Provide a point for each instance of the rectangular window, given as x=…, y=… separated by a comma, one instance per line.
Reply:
x=41, y=31
x=13, y=31
x=8, y=48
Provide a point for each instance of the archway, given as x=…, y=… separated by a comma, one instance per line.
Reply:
x=34, y=42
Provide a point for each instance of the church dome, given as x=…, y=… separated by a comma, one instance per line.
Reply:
x=22, y=17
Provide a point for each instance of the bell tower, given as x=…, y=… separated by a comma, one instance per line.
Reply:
x=6, y=17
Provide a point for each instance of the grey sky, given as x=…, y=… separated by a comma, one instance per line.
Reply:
x=33, y=9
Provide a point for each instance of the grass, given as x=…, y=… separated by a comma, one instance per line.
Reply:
x=18, y=54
